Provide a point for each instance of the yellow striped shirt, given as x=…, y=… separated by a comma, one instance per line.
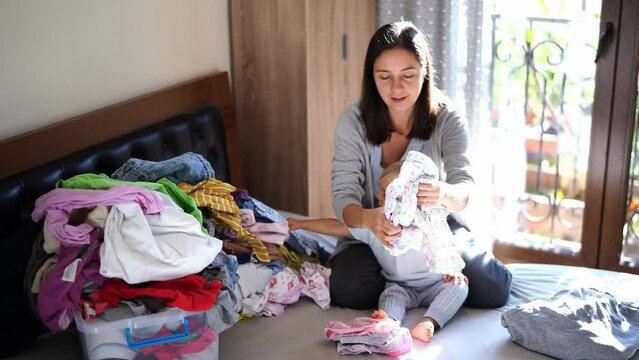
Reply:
x=216, y=195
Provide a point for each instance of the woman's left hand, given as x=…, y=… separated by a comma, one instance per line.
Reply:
x=429, y=193
x=294, y=224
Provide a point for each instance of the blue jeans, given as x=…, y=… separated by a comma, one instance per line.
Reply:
x=188, y=167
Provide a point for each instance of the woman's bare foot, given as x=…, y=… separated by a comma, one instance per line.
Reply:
x=379, y=315
x=423, y=331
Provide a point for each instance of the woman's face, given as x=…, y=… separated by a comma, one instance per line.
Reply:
x=399, y=78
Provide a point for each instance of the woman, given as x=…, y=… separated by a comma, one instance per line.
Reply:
x=400, y=110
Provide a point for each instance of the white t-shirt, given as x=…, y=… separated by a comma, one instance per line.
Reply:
x=408, y=269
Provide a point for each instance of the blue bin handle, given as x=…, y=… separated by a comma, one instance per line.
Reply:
x=155, y=341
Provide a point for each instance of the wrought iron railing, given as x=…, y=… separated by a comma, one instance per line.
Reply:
x=539, y=55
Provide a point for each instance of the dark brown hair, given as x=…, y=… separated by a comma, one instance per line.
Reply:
x=398, y=35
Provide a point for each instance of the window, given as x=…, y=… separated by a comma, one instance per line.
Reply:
x=559, y=147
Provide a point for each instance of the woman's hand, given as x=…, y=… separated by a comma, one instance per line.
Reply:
x=294, y=224
x=453, y=197
x=455, y=278
x=377, y=222
x=431, y=193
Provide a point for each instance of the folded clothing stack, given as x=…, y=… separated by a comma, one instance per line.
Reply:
x=368, y=335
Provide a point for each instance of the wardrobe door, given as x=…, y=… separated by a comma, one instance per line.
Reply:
x=269, y=39
x=296, y=65
x=359, y=28
x=338, y=33
x=326, y=92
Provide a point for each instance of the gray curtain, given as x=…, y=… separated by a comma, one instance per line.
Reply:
x=454, y=31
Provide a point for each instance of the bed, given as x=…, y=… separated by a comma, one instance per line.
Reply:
x=198, y=116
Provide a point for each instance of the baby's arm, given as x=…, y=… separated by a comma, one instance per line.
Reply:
x=323, y=226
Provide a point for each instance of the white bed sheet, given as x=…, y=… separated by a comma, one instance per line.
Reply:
x=471, y=334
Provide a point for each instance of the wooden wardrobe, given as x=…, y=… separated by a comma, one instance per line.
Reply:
x=296, y=64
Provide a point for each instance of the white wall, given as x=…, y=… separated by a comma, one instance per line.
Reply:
x=61, y=58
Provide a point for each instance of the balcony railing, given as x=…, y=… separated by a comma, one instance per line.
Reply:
x=538, y=62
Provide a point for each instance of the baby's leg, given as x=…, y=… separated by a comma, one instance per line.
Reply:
x=443, y=299
x=394, y=301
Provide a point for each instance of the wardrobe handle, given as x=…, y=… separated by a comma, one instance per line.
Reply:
x=604, y=38
x=344, y=46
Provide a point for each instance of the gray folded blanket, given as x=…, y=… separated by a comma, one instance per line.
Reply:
x=576, y=324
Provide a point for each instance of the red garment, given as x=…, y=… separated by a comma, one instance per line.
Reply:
x=189, y=293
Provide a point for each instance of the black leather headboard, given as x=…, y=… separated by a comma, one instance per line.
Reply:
x=201, y=131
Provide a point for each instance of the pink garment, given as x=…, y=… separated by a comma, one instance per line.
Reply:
x=315, y=280
x=273, y=309
x=285, y=288
x=247, y=217
x=360, y=326
x=368, y=335
x=274, y=233
x=399, y=342
x=58, y=203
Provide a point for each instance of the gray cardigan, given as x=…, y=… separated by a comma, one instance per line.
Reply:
x=352, y=181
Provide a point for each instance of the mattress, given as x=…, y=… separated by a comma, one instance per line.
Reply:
x=471, y=334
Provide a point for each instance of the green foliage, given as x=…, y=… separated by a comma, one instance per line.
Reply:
x=547, y=44
x=548, y=52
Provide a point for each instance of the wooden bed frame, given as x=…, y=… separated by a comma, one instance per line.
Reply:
x=54, y=141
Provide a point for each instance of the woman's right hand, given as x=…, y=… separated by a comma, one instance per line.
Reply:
x=377, y=222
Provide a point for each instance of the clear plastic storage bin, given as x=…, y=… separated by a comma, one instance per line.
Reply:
x=172, y=333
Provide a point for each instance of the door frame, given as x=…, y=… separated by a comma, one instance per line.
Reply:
x=620, y=144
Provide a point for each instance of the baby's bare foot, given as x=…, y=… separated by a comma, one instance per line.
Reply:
x=379, y=315
x=423, y=331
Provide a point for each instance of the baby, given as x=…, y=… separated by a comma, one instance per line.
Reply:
x=410, y=281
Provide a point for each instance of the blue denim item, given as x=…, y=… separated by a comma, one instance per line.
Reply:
x=249, y=205
x=230, y=264
x=263, y=213
x=276, y=265
x=266, y=211
x=188, y=167
x=223, y=315
x=310, y=243
x=209, y=226
x=318, y=244
x=294, y=243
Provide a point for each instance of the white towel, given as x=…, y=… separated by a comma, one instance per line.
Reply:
x=168, y=245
